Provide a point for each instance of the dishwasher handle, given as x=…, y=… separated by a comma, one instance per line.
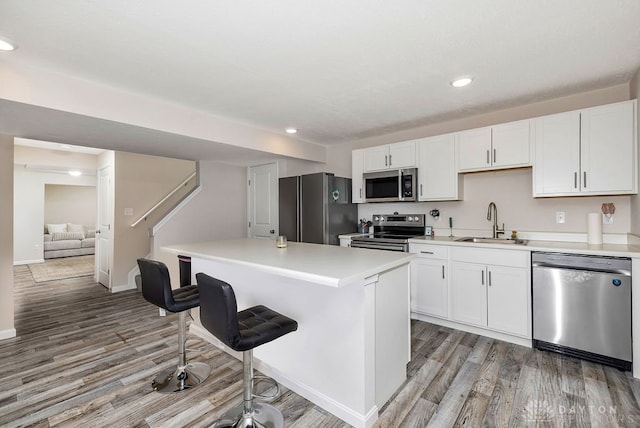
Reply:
x=597, y=269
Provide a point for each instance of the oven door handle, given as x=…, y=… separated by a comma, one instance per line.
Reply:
x=379, y=246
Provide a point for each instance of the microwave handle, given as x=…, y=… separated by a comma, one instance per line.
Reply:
x=400, y=185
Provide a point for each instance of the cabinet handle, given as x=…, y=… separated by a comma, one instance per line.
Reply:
x=483, y=277
x=389, y=160
x=488, y=157
x=361, y=193
x=442, y=271
x=426, y=252
x=584, y=179
x=494, y=155
x=575, y=180
x=385, y=160
x=421, y=190
x=489, y=278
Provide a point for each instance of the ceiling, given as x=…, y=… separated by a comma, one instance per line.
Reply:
x=338, y=71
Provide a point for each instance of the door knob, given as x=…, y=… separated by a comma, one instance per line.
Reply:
x=272, y=231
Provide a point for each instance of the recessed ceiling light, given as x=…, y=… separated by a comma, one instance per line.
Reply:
x=7, y=45
x=463, y=81
x=291, y=130
x=75, y=173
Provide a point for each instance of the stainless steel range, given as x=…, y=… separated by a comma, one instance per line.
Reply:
x=392, y=232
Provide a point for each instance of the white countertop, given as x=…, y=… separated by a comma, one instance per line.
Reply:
x=323, y=264
x=615, y=250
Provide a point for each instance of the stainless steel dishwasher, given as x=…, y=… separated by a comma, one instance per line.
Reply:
x=582, y=306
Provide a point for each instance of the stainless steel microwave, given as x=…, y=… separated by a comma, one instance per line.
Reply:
x=391, y=186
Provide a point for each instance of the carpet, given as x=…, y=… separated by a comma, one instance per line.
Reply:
x=62, y=268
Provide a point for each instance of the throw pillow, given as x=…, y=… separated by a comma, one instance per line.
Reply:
x=57, y=228
x=61, y=236
x=91, y=233
x=75, y=227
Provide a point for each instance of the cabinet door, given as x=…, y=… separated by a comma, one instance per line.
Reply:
x=402, y=155
x=474, y=149
x=429, y=287
x=508, y=300
x=437, y=172
x=376, y=158
x=468, y=293
x=510, y=144
x=357, y=182
x=556, y=167
x=608, y=150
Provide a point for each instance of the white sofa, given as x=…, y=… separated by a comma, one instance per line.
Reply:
x=68, y=239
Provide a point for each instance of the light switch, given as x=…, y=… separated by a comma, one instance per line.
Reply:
x=560, y=217
x=128, y=211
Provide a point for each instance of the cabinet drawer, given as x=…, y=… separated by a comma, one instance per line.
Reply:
x=514, y=258
x=429, y=251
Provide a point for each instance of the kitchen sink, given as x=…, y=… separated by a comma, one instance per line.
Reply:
x=492, y=240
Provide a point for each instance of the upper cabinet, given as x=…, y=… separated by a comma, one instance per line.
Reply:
x=390, y=156
x=357, y=182
x=494, y=147
x=438, y=178
x=586, y=152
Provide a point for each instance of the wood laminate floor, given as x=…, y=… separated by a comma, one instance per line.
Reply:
x=84, y=357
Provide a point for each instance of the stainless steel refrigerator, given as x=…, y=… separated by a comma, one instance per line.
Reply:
x=316, y=208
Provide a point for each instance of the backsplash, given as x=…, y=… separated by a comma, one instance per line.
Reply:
x=511, y=191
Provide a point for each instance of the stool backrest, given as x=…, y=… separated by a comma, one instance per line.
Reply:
x=219, y=309
x=156, y=283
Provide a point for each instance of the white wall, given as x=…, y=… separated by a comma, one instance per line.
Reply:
x=218, y=211
x=7, y=328
x=634, y=92
x=28, y=225
x=70, y=204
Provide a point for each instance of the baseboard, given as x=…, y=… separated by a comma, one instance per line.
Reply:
x=27, y=262
x=348, y=415
x=123, y=287
x=8, y=333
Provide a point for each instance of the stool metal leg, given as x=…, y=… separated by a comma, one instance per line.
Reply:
x=185, y=376
x=250, y=414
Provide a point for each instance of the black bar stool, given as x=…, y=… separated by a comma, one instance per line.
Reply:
x=242, y=331
x=156, y=289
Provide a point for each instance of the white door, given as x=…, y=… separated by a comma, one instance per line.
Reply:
x=357, y=181
x=376, y=158
x=469, y=293
x=429, y=288
x=510, y=144
x=508, y=299
x=438, y=173
x=103, y=234
x=403, y=155
x=263, y=201
x=474, y=149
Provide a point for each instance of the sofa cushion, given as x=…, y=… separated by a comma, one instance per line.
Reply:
x=68, y=244
x=88, y=243
x=91, y=233
x=63, y=236
x=76, y=228
x=56, y=228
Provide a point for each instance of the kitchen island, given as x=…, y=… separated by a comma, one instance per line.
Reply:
x=350, y=352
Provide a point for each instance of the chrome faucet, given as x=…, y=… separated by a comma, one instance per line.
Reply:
x=496, y=230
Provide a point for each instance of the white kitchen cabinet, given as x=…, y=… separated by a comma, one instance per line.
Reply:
x=429, y=280
x=390, y=156
x=357, y=182
x=438, y=178
x=491, y=289
x=586, y=152
x=500, y=146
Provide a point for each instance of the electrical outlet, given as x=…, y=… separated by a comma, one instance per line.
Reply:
x=128, y=211
x=560, y=217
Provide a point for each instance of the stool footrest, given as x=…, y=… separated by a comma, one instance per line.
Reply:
x=268, y=379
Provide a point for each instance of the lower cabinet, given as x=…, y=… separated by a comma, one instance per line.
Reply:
x=495, y=296
x=429, y=281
